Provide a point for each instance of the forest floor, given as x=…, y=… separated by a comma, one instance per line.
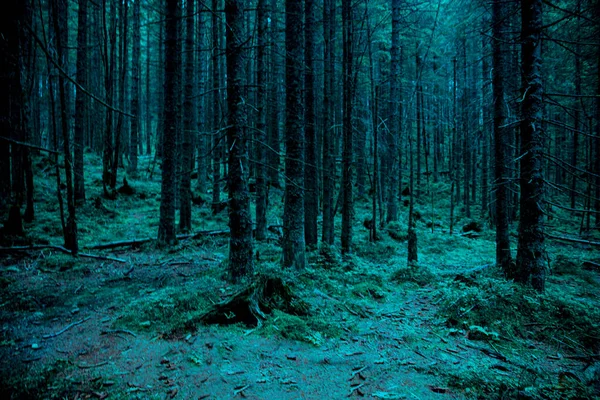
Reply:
x=129, y=326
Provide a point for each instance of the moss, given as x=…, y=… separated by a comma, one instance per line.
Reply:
x=165, y=310
x=369, y=290
x=419, y=274
x=311, y=330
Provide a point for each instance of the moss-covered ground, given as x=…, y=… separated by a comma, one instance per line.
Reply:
x=448, y=327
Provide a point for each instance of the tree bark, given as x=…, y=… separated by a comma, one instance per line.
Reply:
x=166, y=227
x=240, y=221
x=80, y=102
x=501, y=133
x=311, y=182
x=530, y=253
x=293, y=213
x=135, y=91
x=328, y=130
x=347, y=146
x=189, y=125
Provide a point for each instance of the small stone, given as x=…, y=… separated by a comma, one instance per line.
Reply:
x=75, y=310
x=145, y=324
x=35, y=346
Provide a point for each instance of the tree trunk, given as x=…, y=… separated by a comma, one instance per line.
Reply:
x=263, y=16
x=189, y=126
x=347, y=147
x=501, y=133
x=311, y=181
x=395, y=66
x=216, y=113
x=240, y=221
x=135, y=90
x=293, y=213
x=328, y=130
x=531, y=254
x=166, y=227
x=80, y=102
x=70, y=232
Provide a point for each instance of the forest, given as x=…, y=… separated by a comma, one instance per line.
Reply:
x=300, y=199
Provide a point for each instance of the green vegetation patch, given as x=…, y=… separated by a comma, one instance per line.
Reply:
x=165, y=310
x=422, y=275
x=493, y=306
x=313, y=330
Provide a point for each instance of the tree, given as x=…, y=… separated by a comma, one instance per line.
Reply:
x=293, y=213
x=530, y=253
x=261, y=124
x=328, y=129
x=189, y=125
x=311, y=182
x=136, y=122
x=500, y=131
x=166, y=227
x=240, y=222
x=395, y=116
x=80, y=101
x=216, y=111
x=70, y=231
x=347, y=147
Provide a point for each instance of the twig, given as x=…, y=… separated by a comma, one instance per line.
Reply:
x=59, y=248
x=355, y=388
x=240, y=390
x=117, y=331
x=66, y=328
x=573, y=240
x=358, y=371
x=92, y=366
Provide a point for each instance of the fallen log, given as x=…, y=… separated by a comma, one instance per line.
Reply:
x=58, y=248
x=137, y=242
x=573, y=240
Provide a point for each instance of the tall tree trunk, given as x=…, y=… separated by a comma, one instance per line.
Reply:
x=216, y=113
x=328, y=130
x=121, y=123
x=166, y=227
x=395, y=66
x=501, y=133
x=530, y=253
x=347, y=148
x=80, y=101
x=273, y=113
x=263, y=15
x=189, y=125
x=70, y=233
x=136, y=122
x=240, y=221
x=311, y=182
x=293, y=212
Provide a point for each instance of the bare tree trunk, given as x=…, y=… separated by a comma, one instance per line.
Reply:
x=216, y=82
x=311, y=175
x=166, y=227
x=531, y=253
x=263, y=15
x=70, y=233
x=293, y=213
x=80, y=101
x=501, y=181
x=240, y=221
x=135, y=90
x=189, y=125
x=328, y=130
x=347, y=147
x=396, y=67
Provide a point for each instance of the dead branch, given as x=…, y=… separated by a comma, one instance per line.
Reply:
x=574, y=240
x=66, y=328
x=58, y=248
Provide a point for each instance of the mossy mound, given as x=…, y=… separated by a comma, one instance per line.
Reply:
x=419, y=274
x=495, y=305
x=313, y=330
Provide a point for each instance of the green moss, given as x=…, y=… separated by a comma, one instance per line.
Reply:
x=419, y=274
x=313, y=330
x=165, y=310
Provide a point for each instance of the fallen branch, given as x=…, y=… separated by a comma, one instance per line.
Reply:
x=58, y=248
x=83, y=366
x=137, y=242
x=117, y=331
x=66, y=328
x=573, y=240
x=31, y=146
